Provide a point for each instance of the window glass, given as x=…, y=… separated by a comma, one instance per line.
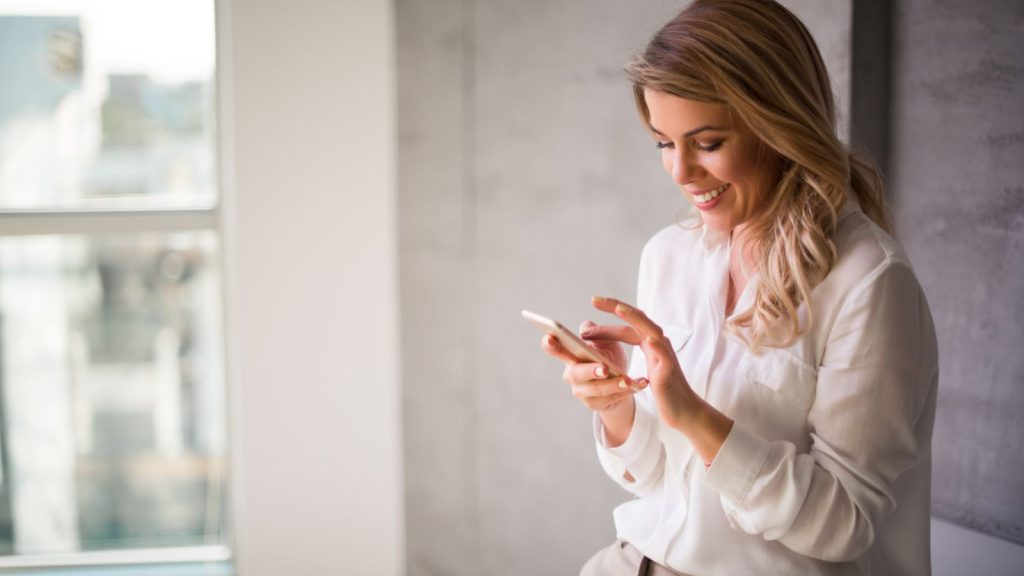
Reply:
x=112, y=406
x=107, y=104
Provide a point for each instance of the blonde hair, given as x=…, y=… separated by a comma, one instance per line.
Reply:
x=758, y=59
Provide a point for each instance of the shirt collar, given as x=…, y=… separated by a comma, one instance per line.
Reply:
x=710, y=240
x=850, y=206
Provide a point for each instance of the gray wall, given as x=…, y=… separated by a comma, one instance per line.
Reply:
x=958, y=181
x=525, y=181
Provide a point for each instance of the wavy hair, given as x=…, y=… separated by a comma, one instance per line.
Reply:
x=759, y=60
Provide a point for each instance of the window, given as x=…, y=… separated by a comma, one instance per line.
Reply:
x=112, y=383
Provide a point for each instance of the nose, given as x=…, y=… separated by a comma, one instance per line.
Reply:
x=684, y=166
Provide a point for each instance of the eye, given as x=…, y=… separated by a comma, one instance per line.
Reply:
x=663, y=145
x=709, y=147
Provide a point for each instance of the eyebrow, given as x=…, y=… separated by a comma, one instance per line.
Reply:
x=688, y=134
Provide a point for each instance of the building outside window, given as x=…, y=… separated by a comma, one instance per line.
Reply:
x=113, y=442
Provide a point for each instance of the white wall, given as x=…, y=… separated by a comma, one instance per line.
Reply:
x=309, y=131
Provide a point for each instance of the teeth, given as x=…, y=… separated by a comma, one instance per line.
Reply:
x=702, y=198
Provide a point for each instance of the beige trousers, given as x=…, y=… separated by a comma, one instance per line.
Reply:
x=622, y=559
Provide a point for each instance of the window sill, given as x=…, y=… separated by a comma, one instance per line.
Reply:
x=176, y=569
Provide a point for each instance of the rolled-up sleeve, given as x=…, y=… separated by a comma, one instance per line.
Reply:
x=642, y=455
x=869, y=423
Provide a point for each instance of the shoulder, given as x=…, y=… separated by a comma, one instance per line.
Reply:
x=865, y=251
x=871, y=300
x=872, y=274
x=877, y=304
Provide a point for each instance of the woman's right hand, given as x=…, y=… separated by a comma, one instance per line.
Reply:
x=591, y=383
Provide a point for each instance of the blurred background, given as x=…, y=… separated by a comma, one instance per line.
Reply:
x=261, y=267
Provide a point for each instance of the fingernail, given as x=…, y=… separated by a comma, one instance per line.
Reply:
x=598, y=298
x=640, y=384
x=623, y=385
x=620, y=308
x=601, y=372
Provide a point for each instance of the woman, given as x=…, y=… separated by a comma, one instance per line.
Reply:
x=779, y=412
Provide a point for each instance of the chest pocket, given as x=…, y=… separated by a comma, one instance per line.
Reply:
x=782, y=374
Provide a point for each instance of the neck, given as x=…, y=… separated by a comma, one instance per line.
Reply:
x=742, y=257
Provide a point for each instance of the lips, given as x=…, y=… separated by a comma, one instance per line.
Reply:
x=708, y=200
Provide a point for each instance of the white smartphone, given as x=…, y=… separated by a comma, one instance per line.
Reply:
x=571, y=342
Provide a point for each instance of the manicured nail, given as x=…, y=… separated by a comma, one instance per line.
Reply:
x=620, y=308
x=598, y=298
x=601, y=372
x=623, y=385
x=640, y=384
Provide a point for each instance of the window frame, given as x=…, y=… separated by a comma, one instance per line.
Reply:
x=206, y=216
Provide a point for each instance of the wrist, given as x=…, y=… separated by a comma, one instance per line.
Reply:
x=619, y=410
x=690, y=414
x=706, y=428
x=617, y=422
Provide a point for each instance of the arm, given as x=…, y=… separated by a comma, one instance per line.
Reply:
x=634, y=459
x=876, y=381
x=628, y=446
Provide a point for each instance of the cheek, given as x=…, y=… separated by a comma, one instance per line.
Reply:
x=734, y=167
x=745, y=164
x=755, y=182
x=719, y=168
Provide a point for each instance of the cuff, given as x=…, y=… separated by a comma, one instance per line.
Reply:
x=737, y=464
x=638, y=454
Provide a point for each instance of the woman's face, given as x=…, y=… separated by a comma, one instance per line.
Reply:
x=713, y=156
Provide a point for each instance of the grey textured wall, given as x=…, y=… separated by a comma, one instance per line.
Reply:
x=958, y=181
x=526, y=181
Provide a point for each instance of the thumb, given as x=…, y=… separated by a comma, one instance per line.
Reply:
x=655, y=355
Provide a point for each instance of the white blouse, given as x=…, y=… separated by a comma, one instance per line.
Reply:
x=827, y=469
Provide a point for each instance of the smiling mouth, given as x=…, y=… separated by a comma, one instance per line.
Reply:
x=708, y=197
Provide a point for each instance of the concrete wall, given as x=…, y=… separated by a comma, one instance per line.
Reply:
x=521, y=162
x=958, y=182
x=525, y=181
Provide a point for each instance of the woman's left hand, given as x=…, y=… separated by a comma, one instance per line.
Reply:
x=677, y=403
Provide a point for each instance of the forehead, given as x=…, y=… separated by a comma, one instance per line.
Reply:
x=672, y=115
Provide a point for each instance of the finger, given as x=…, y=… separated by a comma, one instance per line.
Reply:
x=632, y=316
x=588, y=373
x=601, y=388
x=617, y=333
x=552, y=346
